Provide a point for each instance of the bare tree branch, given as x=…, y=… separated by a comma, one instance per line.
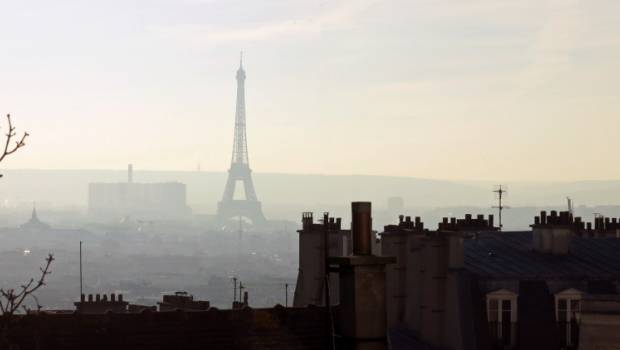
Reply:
x=9, y=136
x=11, y=300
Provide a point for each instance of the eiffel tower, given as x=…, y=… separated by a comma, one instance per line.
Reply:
x=239, y=170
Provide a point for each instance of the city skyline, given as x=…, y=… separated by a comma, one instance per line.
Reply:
x=484, y=91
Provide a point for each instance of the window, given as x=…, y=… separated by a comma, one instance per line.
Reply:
x=567, y=308
x=502, y=317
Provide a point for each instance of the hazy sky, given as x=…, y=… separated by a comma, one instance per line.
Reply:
x=476, y=89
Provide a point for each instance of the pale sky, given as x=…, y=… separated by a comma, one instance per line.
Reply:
x=476, y=89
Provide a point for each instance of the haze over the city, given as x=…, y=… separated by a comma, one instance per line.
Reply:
x=484, y=89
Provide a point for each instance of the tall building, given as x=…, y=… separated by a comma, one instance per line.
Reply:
x=239, y=171
x=165, y=200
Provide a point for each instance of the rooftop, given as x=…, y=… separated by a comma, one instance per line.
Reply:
x=509, y=254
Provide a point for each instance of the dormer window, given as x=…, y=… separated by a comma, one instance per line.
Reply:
x=502, y=317
x=567, y=309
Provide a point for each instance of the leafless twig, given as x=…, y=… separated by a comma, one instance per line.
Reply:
x=8, y=149
x=11, y=300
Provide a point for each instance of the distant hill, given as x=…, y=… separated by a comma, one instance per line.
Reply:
x=293, y=193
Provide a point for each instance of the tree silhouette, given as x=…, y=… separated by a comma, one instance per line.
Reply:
x=8, y=147
x=12, y=301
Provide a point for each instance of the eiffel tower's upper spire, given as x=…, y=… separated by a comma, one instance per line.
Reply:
x=240, y=147
x=240, y=71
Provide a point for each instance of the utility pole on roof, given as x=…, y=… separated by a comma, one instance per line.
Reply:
x=500, y=193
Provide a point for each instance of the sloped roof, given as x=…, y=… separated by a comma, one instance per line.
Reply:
x=510, y=255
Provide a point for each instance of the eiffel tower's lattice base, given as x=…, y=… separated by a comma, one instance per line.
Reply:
x=230, y=209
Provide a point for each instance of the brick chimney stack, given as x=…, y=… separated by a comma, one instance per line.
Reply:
x=362, y=286
x=552, y=234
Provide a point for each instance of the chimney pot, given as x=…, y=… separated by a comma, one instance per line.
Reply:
x=607, y=221
x=361, y=227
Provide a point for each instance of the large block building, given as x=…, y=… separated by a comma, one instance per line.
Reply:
x=167, y=200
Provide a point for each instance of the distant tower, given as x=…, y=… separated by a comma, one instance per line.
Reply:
x=34, y=224
x=130, y=173
x=249, y=207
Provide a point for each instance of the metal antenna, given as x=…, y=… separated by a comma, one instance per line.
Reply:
x=81, y=277
x=501, y=192
x=286, y=295
x=234, y=289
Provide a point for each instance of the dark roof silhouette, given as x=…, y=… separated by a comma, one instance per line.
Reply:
x=510, y=255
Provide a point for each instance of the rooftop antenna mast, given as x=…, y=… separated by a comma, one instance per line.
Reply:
x=234, y=288
x=81, y=276
x=501, y=193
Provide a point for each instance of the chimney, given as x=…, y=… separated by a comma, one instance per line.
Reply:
x=362, y=287
x=130, y=173
x=361, y=228
x=552, y=235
